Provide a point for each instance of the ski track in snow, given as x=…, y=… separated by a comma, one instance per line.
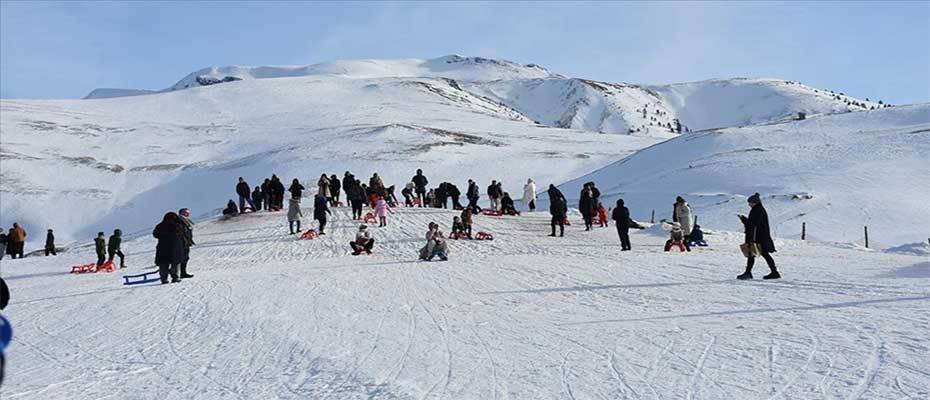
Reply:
x=522, y=316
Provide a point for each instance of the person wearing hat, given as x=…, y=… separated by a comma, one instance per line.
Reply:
x=113, y=248
x=362, y=242
x=621, y=215
x=100, y=245
x=759, y=237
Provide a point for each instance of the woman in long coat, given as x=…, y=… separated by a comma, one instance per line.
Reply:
x=169, y=252
x=323, y=185
x=758, y=235
x=529, y=194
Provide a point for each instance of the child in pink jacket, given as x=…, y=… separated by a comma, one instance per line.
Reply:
x=381, y=210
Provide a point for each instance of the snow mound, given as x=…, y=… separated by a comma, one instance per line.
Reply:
x=914, y=249
x=837, y=173
x=106, y=93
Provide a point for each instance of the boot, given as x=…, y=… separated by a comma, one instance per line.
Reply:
x=745, y=275
x=186, y=276
x=772, y=275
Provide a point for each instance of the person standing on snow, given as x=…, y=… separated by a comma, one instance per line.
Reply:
x=296, y=189
x=266, y=194
x=323, y=187
x=529, y=194
x=356, y=196
x=420, y=181
x=187, y=240
x=245, y=195
x=758, y=238
x=587, y=207
x=277, y=193
x=294, y=214
x=50, y=244
x=258, y=198
x=348, y=180
x=684, y=217
x=113, y=248
x=3, y=243
x=336, y=189
x=473, y=194
x=381, y=210
x=169, y=250
x=320, y=209
x=362, y=242
x=17, y=240
x=100, y=245
x=558, y=208
x=621, y=215
x=494, y=194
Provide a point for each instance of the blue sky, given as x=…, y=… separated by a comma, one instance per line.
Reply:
x=879, y=50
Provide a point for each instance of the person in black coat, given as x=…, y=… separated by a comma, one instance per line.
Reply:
x=296, y=189
x=454, y=193
x=50, y=244
x=758, y=233
x=473, y=194
x=348, y=180
x=335, y=188
x=258, y=198
x=169, y=252
x=507, y=206
x=245, y=195
x=231, y=210
x=356, y=196
x=558, y=208
x=587, y=206
x=621, y=215
x=320, y=209
x=277, y=192
x=420, y=181
x=266, y=194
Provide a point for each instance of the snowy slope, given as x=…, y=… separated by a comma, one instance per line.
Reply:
x=522, y=317
x=106, y=93
x=82, y=166
x=836, y=173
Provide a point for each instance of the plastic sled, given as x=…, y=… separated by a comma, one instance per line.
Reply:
x=416, y=201
x=567, y=222
x=458, y=236
x=107, y=267
x=492, y=212
x=308, y=235
x=484, y=236
x=370, y=218
x=699, y=243
x=138, y=279
x=679, y=245
x=83, y=269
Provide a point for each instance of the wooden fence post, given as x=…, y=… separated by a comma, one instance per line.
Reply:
x=866, y=237
x=803, y=230
x=652, y=219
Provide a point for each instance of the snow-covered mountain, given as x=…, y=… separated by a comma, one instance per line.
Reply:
x=837, y=173
x=80, y=166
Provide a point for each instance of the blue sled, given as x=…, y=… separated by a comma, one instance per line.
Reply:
x=139, y=279
x=699, y=243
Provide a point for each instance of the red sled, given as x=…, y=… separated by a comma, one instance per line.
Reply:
x=83, y=269
x=567, y=222
x=458, y=236
x=308, y=235
x=370, y=218
x=416, y=201
x=492, y=212
x=484, y=236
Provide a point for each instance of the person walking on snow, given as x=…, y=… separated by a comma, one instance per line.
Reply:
x=758, y=238
x=558, y=208
x=100, y=245
x=420, y=181
x=684, y=217
x=294, y=214
x=348, y=180
x=362, y=242
x=187, y=240
x=621, y=215
x=320, y=209
x=17, y=240
x=245, y=195
x=529, y=194
x=50, y=244
x=381, y=210
x=296, y=189
x=113, y=248
x=169, y=250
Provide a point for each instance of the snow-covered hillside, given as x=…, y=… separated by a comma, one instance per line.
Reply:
x=524, y=316
x=82, y=166
x=837, y=173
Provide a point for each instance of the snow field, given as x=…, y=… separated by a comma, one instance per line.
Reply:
x=524, y=316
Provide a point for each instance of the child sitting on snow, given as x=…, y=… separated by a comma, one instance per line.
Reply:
x=677, y=237
x=697, y=237
x=458, y=228
x=362, y=242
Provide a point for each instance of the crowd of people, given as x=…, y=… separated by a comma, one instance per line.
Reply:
x=175, y=232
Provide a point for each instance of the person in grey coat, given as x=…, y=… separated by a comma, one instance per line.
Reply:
x=294, y=214
x=187, y=227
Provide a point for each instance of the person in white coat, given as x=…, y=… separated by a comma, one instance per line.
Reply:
x=529, y=194
x=683, y=216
